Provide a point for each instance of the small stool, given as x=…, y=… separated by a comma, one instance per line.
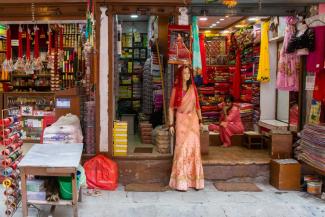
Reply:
x=252, y=138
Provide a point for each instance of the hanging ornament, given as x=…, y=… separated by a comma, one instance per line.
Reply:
x=37, y=62
x=60, y=51
x=7, y=65
x=20, y=64
x=28, y=65
x=50, y=56
x=229, y=3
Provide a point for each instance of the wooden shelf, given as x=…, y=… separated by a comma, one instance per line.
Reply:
x=32, y=140
x=44, y=202
x=37, y=75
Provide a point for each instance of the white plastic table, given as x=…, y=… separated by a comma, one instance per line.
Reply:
x=51, y=160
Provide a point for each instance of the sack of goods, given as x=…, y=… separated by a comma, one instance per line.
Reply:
x=162, y=140
x=66, y=129
x=145, y=132
x=120, y=138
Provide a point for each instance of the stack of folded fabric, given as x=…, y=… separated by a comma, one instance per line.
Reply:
x=147, y=88
x=312, y=146
x=157, y=83
x=89, y=127
x=246, y=114
x=162, y=140
x=145, y=132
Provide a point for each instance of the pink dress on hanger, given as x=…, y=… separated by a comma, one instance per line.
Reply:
x=289, y=63
x=187, y=170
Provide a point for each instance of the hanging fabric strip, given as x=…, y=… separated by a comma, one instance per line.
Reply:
x=28, y=44
x=20, y=43
x=37, y=63
x=264, y=66
x=36, y=43
x=20, y=65
x=197, y=64
x=28, y=64
x=8, y=52
x=203, y=59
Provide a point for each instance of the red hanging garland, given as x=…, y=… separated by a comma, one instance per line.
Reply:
x=36, y=44
x=8, y=44
x=28, y=44
x=20, y=45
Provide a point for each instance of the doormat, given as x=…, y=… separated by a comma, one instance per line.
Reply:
x=148, y=187
x=143, y=150
x=236, y=186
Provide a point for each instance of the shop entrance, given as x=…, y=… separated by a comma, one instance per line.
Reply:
x=141, y=86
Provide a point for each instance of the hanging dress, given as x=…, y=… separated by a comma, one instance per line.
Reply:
x=264, y=62
x=289, y=63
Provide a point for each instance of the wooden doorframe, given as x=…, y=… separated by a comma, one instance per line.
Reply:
x=124, y=8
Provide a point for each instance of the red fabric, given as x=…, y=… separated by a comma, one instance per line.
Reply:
x=319, y=91
x=176, y=99
x=36, y=45
x=8, y=53
x=27, y=44
x=316, y=59
x=203, y=59
x=20, y=45
x=101, y=173
x=236, y=77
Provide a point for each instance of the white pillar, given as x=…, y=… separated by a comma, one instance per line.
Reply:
x=103, y=81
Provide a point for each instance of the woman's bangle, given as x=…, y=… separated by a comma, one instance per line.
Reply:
x=171, y=125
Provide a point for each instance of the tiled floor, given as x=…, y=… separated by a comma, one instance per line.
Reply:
x=205, y=203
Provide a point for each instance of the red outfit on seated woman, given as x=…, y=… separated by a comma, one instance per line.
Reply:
x=230, y=122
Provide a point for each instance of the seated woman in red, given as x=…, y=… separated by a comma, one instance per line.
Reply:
x=230, y=122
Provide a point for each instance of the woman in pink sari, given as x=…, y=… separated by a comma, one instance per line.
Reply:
x=187, y=170
x=230, y=122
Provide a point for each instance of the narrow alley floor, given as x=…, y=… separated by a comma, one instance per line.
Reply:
x=205, y=203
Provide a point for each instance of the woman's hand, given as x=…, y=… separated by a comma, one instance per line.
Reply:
x=201, y=126
x=172, y=130
x=224, y=124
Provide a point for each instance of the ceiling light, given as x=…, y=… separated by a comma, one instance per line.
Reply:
x=207, y=31
x=214, y=24
x=203, y=18
x=217, y=22
x=240, y=25
x=134, y=16
x=221, y=19
x=225, y=32
x=227, y=16
x=253, y=18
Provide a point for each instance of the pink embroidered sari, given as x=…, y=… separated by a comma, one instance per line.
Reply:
x=187, y=170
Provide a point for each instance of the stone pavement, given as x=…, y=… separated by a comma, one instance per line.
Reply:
x=208, y=202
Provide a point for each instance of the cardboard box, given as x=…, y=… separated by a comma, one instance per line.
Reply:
x=285, y=174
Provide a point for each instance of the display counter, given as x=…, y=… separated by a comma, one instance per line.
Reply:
x=34, y=106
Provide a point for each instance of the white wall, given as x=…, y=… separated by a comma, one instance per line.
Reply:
x=267, y=97
x=103, y=81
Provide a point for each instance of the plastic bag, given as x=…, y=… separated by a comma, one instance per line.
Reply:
x=101, y=173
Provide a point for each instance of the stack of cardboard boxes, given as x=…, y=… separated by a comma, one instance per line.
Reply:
x=120, y=138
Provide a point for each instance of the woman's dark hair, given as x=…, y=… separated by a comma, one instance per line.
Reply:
x=229, y=98
x=189, y=81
